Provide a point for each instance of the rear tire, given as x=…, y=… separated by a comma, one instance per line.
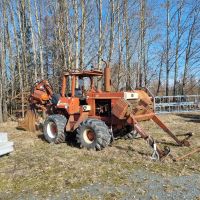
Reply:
x=93, y=134
x=54, y=129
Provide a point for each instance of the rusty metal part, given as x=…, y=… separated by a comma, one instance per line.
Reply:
x=149, y=139
x=187, y=135
x=64, y=85
x=183, y=142
x=28, y=123
x=188, y=154
x=41, y=93
x=120, y=109
x=73, y=86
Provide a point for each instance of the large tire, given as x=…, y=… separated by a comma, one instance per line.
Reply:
x=54, y=129
x=93, y=134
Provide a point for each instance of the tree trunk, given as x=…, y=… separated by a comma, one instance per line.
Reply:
x=22, y=26
x=33, y=42
x=1, y=99
x=143, y=73
x=177, y=48
x=112, y=25
x=82, y=39
x=127, y=39
x=119, y=46
x=76, y=32
x=3, y=64
x=188, y=54
x=11, y=65
x=99, y=7
x=167, y=50
x=68, y=45
x=61, y=34
x=40, y=41
x=18, y=58
x=159, y=76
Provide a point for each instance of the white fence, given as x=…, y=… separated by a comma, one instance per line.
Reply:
x=176, y=104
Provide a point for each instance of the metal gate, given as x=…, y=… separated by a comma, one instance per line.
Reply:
x=176, y=104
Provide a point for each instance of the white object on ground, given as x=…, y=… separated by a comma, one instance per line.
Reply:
x=5, y=146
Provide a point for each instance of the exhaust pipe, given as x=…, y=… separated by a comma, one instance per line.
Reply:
x=107, y=77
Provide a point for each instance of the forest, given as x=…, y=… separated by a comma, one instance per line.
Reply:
x=148, y=43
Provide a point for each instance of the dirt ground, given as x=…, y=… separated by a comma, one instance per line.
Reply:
x=124, y=170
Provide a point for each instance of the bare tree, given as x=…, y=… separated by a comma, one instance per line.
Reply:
x=2, y=72
x=160, y=74
x=40, y=40
x=75, y=7
x=127, y=42
x=11, y=59
x=22, y=26
x=167, y=46
x=33, y=41
x=120, y=47
x=142, y=72
x=112, y=26
x=83, y=26
x=18, y=57
x=100, y=37
x=190, y=40
x=179, y=35
x=67, y=38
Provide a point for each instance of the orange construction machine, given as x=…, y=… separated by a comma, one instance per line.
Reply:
x=95, y=116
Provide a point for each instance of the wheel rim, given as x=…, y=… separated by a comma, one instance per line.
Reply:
x=89, y=136
x=52, y=130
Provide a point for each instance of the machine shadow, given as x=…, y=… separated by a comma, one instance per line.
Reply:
x=190, y=117
x=70, y=139
x=129, y=148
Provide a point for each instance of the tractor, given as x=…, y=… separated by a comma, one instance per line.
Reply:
x=95, y=116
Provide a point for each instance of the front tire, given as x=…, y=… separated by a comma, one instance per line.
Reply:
x=54, y=129
x=93, y=134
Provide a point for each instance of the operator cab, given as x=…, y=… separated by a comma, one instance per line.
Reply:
x=74, y=80
x=75, y=84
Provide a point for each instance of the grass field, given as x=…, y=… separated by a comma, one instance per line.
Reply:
x=124, y=170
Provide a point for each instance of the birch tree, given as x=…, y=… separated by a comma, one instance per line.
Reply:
x=167, y=46
x=75, y=7
x=127, y=44
x=100, y=37
x=16, y=39
x=33, y=41
x=2, y=73
x=142, y=45
x=40, y=40
x=67, y=37
x=190, y=40
x=22, y=29
x=83, y=27
x=112, y=26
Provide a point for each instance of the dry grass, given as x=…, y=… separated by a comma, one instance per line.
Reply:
x=42, y=169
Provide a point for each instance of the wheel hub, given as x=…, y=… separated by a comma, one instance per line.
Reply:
x=52, y=130
x=89, y=136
